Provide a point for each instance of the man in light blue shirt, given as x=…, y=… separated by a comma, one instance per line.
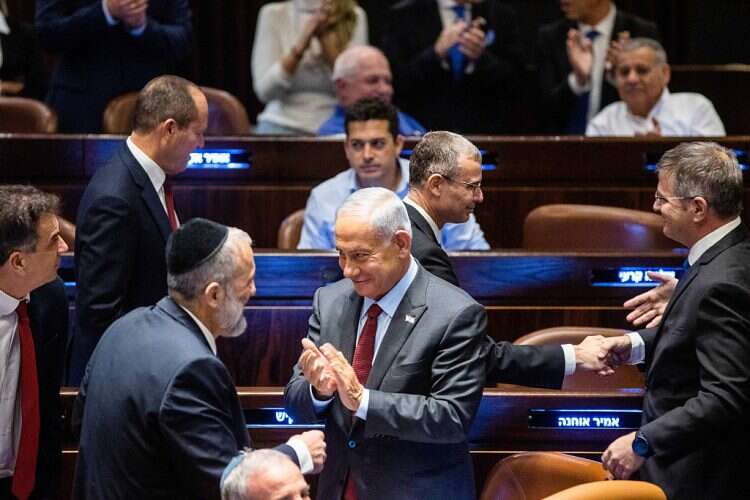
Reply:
x=372, y=148
x=363, y=71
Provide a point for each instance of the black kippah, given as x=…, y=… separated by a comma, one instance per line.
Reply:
x=193, y=243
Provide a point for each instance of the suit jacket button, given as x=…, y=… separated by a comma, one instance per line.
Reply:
x=352, y=444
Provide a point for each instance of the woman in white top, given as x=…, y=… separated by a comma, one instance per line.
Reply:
x=296, y=44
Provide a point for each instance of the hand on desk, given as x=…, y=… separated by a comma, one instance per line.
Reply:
x=648, y=307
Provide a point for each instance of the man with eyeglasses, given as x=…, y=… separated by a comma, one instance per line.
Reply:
x=372, y=147
x=647, y=108
x=693, y=438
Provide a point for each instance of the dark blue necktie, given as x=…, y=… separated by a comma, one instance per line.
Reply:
x=457, y=58
x=578, y=117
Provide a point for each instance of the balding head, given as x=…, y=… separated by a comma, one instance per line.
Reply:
x=362, y=71
x=265, y=475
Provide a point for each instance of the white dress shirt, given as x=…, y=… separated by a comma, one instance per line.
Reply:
x=10, y=371
x=637, y=346
x=599, y=46
x=683, y=114
x=154, y=172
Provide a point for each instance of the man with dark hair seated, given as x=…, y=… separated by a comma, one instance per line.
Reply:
x=372, y=147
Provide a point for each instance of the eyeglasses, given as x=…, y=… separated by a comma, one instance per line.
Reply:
x=472, y=186
x=666, y=199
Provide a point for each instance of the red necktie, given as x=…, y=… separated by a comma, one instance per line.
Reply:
x=169, y=201
x=362, y=363
x=25, y=472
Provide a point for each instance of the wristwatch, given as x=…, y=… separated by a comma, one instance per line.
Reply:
x=641, y=447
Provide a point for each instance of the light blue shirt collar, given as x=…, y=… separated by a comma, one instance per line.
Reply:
x=390, y=301
x=403, y=185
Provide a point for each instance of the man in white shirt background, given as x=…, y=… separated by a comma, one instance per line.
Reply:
x=647, y=107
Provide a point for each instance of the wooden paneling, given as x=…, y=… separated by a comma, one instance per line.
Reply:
x=529, y=171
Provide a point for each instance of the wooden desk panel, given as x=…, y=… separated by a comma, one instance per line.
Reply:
x=529, y=171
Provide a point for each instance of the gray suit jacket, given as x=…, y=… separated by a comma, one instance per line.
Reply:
x=425, y=387
x=697, y=401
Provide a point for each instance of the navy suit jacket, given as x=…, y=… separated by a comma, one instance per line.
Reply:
x=121, y=236
x=425, y=88
x=558, y=101
x=99, y=62
x=697, y=402
x=158, y=411
x=48, y=316
x=535, y=366
x=22, y=59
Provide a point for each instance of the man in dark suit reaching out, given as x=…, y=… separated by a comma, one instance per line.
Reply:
x=693, y=438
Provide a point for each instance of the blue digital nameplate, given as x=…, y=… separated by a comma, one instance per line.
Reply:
x=265, y=418
x=584, y=419
x=652, y=159
x=630, y=276
x=219, y=159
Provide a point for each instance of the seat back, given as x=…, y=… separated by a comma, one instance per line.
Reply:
x=226, y=114
x=535, y=475
x=593, y=227
x=21, y=115
x=611, y=490
x=625, y=377
x=290, y=230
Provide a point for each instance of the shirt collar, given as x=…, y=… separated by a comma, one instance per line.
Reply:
x=205, y=331
x=390, y=301
x=712, y=238
x=154, y=172
x=423, y=213
x=9, y=304
x=4, y=28
x=605, y=27
x=403, y=184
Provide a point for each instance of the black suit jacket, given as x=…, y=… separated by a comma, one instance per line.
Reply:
x=48, y=316
x=121, y=236
x=697, y=402
x=426, y=89
x=157, y=410
x=558, y=101
x=99, y=62
x=22, y=59
x=535, y=366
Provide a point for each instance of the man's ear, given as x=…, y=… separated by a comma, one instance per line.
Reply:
x=435, y=183
x=699, y=208
x=16, y=262
x=213, y=294
x=403, y=240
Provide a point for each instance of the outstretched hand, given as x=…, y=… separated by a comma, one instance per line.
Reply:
x=649, y=307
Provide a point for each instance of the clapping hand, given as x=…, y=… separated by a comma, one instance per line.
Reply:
x=580, y=55
x=315, y=368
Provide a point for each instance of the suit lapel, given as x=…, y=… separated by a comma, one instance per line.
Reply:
x=736, y=236
x=172, y=309
x=148, y=193
x=420, y=222
x=346, y=327
x=412, y=306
